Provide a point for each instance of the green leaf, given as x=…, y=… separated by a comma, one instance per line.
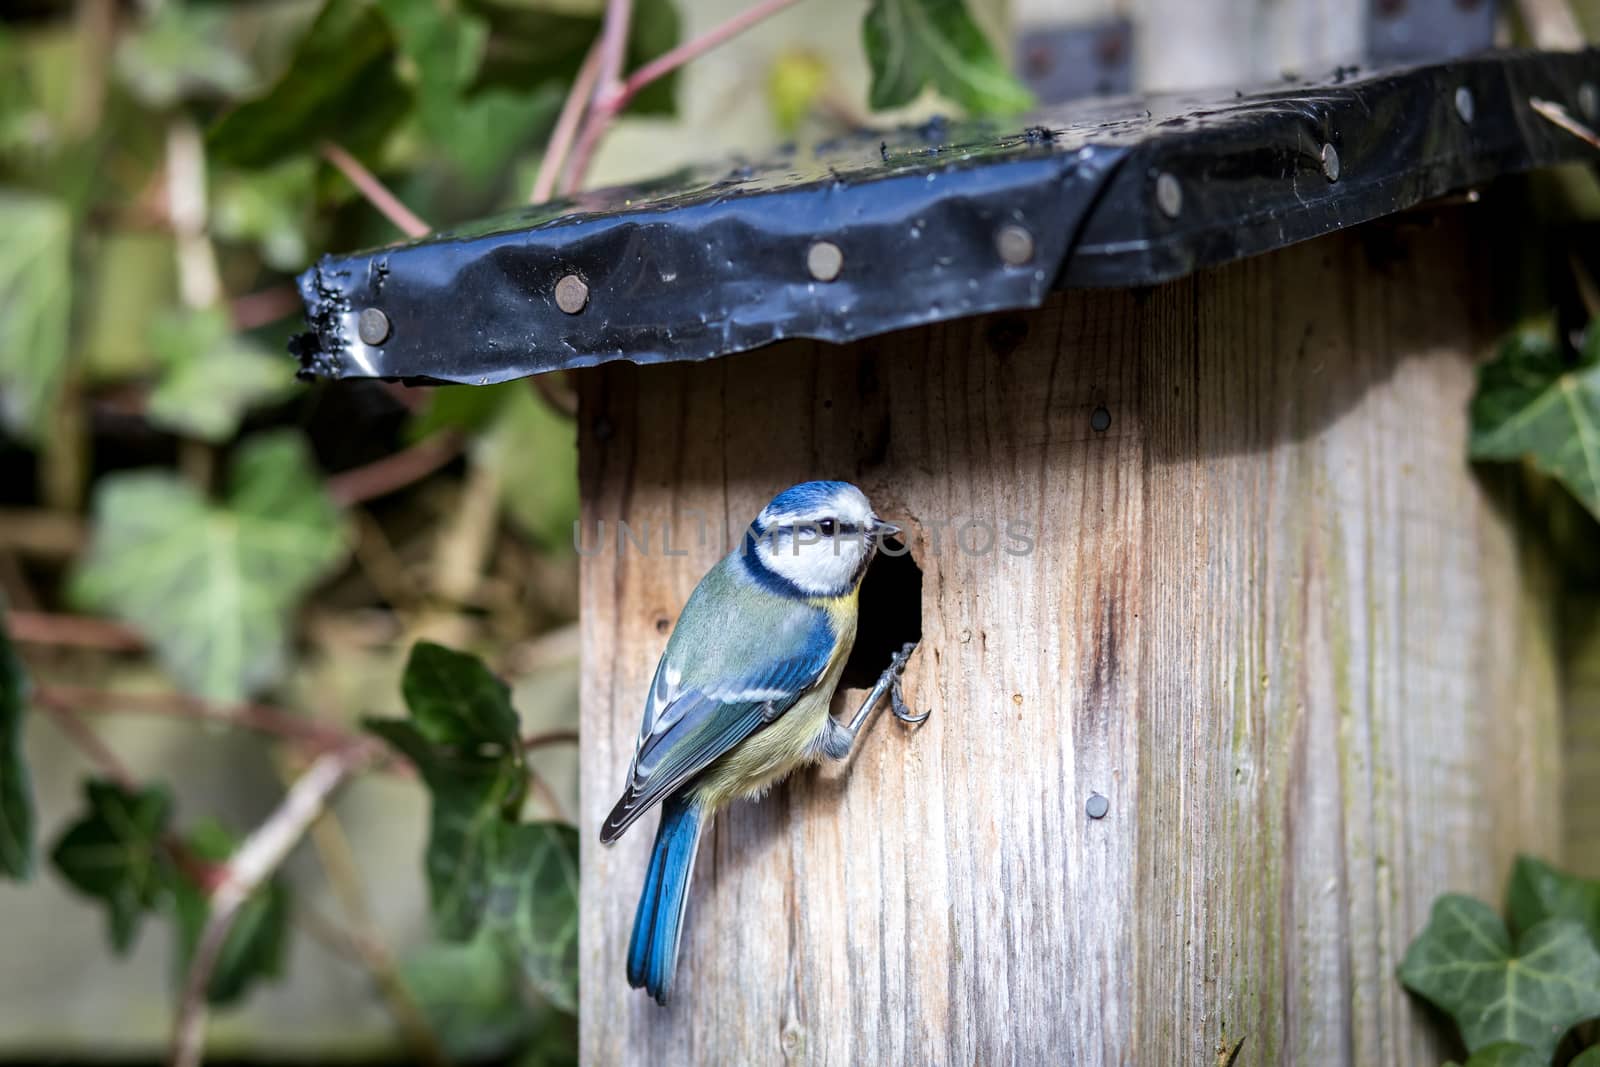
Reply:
x=912, y=44
x=114, y=853
x=35, y=304
x=1464, y=962
x=536, y=450
x=256, y=943
x=182, y=51
x=214, y=587
x=271, y=208
x=1537, y=891
x=1506, y=1054
x=16, y=787
x=454, y=699
x=533, y=905
x=1532, y=402
x=340, y=85
x=213, y=375
x=488, y=874
x=471, y=997
x=1589, y=1057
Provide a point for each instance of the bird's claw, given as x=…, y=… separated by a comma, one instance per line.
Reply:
x=897, y=698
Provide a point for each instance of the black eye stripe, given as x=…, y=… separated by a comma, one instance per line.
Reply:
x=817, y=526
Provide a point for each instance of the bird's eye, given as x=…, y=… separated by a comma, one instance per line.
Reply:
x=826, y=527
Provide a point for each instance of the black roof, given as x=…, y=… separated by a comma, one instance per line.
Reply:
x=937, y=222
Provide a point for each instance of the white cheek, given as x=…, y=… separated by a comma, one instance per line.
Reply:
x=822, y=567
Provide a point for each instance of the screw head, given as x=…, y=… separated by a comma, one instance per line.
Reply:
x=1589, y=101
x=824, y=260
x=1015, y=244
x=1097, y=806
x=572, y=294
x=1169, y=195
x=1464, y=103
x=1330, y=162
x=372, y=326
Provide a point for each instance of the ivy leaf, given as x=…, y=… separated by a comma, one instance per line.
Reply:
x=1589, y=1057
x=1538, y=891
x=213, y=587
x=912, y=44
x=35, y=303
x=114, y=853
x=1464, y=962
x=16, y=787
x=213, y=376
x=181, y=51
x=454, y=699
x=1506, y=1054
x=1532, y=402
x=340, y=84
x=533, y=905
x=269, y=207
x=488, y=874
x=256, y=943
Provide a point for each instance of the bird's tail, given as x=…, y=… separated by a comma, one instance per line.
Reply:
x=653, y=950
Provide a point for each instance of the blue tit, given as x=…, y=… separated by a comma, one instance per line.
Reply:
x=741, y=695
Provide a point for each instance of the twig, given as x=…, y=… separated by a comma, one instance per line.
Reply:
x=394, y=472
x=547, y=797
x=560, y=145
x=1557, y=114
x=199, y=279
x=88, y=742
x=1551, y=24
x=260, y=854
x=261, y=718
x=41, y=534
x=377, y=194
x=72, y=631
x=611, y=97
x=550, y=737
x=364, y=950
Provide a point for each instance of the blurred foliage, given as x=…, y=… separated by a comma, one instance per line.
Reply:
x=163, y=175
x=1537, y=400
x=1514, y=993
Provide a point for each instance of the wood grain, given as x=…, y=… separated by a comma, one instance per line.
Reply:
x=1270, y=614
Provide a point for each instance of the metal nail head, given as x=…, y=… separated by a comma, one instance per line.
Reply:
x=572, y=294
x=1097, y=806
x=372, y=326
x=1169, y=195
x=1015, y=245
x=1464, y=103
x=824, y=260
x=1330, y=162
x=1589, y=101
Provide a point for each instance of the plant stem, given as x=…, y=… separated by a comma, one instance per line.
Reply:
x=384, y=476
x=560, y=146
x=256, y=859
x=72, y=631
x=377, y=194
x=610, y=98
x=261, y=718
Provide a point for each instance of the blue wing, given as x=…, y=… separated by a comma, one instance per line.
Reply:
x=687, y=725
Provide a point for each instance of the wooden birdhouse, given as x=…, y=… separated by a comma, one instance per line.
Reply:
x=1234, y=661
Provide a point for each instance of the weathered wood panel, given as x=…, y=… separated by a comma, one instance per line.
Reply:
x=1270, y=613
x=1581, y=737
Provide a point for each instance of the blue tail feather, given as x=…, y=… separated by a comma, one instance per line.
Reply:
x=653, y=950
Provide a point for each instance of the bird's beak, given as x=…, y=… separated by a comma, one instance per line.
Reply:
x=884, y=529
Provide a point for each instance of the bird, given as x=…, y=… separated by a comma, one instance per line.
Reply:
x=741, y=695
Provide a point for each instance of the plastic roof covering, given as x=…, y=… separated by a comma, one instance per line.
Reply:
x=1127, y=192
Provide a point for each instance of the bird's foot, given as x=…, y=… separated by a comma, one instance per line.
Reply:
x=897, y=697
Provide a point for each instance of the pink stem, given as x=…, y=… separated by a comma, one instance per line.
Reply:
x=607, y=105
x=376, y=192
x=555, y=153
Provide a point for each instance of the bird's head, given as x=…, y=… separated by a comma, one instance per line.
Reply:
x=818, y=536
